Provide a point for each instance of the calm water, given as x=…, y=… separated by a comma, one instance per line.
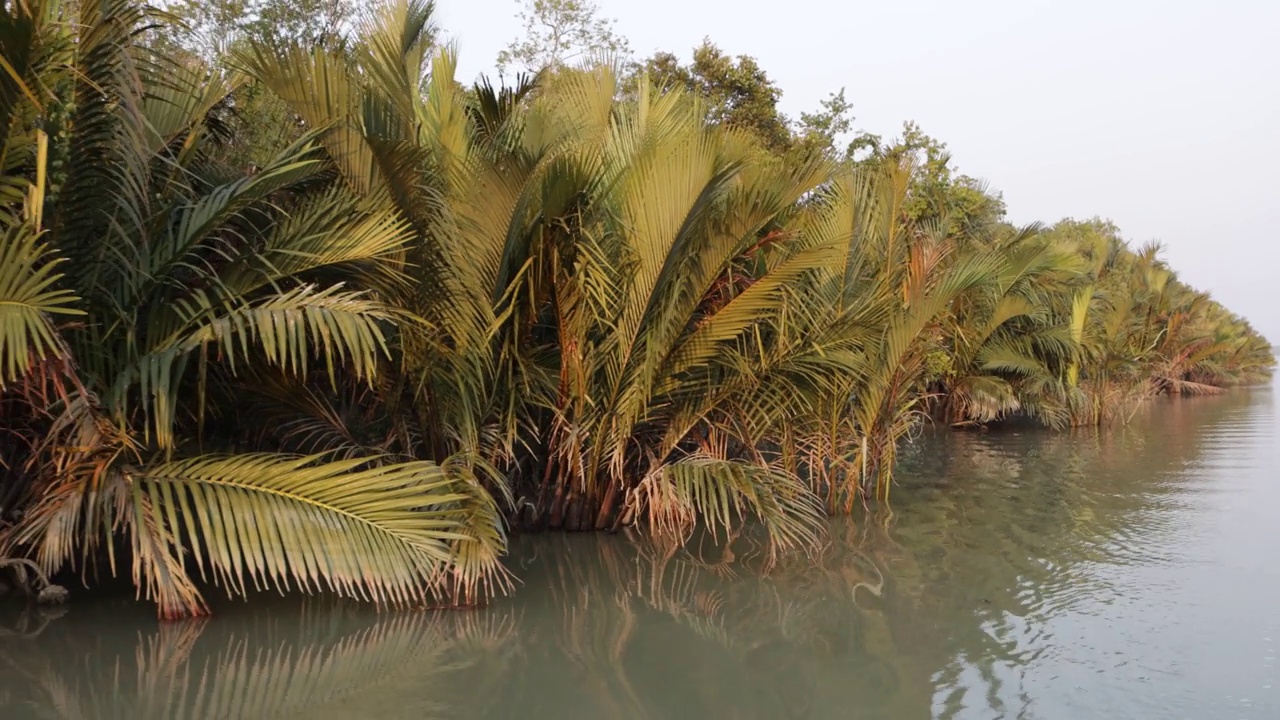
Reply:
x=1129, y=574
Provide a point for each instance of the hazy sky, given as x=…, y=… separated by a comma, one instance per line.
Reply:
x=1162, y=116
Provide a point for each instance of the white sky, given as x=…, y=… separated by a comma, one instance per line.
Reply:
x=1162, y=116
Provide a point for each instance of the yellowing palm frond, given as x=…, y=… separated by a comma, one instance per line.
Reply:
x=722, y=493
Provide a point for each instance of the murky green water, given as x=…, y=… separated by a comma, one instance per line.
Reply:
x=1131, y=574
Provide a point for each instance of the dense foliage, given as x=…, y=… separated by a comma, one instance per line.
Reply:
x=351, y=356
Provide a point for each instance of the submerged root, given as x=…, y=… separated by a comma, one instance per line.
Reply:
x=48, y=593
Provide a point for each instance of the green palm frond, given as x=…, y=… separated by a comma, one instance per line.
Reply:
x=397, y=38
x=1011, y=356
x=475, y=572
x=105, y=202
x=494, y=109
x=29, y=295
x=322, y=89
x=356, y=527
x=343, y=328
x=193, y=228
x=288, y=331
x=327, y=231
x=178, y=98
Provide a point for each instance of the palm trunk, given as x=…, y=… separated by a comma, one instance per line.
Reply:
x=606, y=511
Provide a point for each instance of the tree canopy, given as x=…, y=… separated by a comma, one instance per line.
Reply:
x=558, y=33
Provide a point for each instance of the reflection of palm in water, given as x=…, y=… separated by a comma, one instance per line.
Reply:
x=272, y=662
x=761, y=638
x=991, y=537
x=1018, y=525
x=323, y=657
x=988, y=556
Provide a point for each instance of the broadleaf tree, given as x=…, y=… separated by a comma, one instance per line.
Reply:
x=560, y=33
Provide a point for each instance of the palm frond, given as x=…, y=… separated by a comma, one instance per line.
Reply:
x=724, y=493
x=356, y=527
x=29, y=296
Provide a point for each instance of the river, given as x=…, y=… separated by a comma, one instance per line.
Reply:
x=1130, y=573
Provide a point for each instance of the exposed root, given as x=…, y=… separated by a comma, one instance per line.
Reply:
x=48, y=593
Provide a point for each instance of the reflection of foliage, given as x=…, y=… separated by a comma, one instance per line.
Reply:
x=781, y=629
x=269, y=668
x=999, y=533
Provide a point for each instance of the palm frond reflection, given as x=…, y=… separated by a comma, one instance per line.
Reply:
x=330, y=656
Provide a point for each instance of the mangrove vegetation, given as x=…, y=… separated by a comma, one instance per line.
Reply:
x=290, y=307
